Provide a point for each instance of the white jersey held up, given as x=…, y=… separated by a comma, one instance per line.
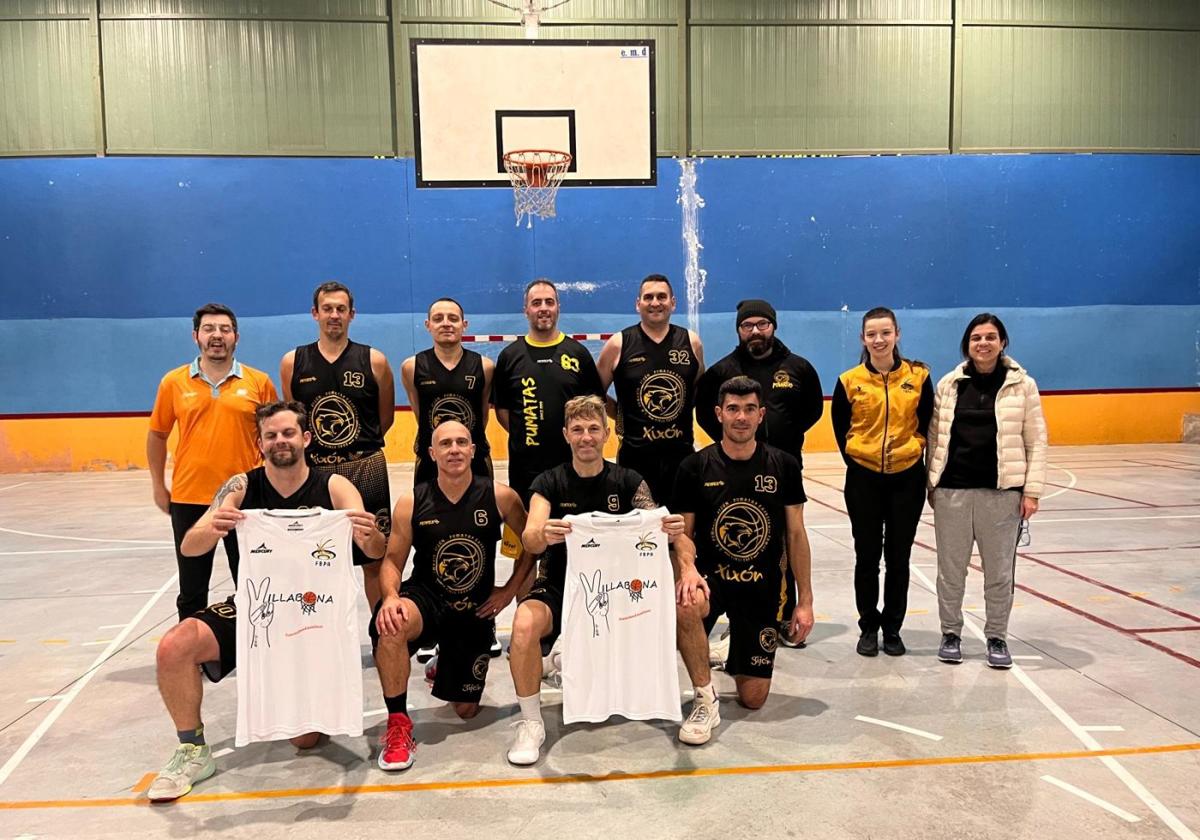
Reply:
x=298, y=660
x=618, y=649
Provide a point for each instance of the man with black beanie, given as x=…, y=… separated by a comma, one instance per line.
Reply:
x=791, y=388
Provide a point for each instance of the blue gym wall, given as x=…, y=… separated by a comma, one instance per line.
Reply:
x=1093, y=260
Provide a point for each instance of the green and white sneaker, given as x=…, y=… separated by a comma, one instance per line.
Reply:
x=191, y=763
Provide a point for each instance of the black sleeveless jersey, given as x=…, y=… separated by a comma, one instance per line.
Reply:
x=533, y=383
x=739, y=506
x=455, y=542
x=450, y=395
x=342, y=398
x=656, y=388
x=262, y=495
x=611, y=491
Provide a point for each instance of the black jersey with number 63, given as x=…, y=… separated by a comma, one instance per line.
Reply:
x=455, y=542
x=740, y=512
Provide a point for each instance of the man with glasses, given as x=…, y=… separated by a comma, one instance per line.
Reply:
x=792, y=394
x=213, y=400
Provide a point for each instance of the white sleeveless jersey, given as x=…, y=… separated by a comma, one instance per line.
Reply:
x=618, y=638
x=298, y=662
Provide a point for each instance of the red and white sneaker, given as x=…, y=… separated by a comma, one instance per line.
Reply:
x=397, y=747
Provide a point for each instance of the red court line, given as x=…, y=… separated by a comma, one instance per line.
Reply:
x=1185, y=615
x=1167, y=466
x=1119, y=550
x=1103, y=495
x=1162, y=629
x=1050, y=599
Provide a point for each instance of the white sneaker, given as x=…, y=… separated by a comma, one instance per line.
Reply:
x=718, y=652
x=190, y=764
x=527, y=744
x=425, y=654
x=705, y=717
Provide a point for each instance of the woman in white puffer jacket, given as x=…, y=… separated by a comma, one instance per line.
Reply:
x=987, y=467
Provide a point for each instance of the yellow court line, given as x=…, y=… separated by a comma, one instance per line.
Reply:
x=143, y=783
x=584, y=778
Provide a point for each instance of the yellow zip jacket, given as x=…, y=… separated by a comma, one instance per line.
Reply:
x=880, y=419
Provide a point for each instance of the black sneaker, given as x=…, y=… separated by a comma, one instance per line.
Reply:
x=786, y=641
x=894, y=646
x=868, y=644
x=997, y=654
x=950, y=649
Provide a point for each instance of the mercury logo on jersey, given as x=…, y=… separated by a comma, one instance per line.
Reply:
x=591, y=543
x=262, y=549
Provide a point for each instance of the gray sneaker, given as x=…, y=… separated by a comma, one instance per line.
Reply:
x=997, y=654
x=950, y=650
x=190, y=764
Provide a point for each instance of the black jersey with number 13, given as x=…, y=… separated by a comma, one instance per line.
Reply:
x=342, y=398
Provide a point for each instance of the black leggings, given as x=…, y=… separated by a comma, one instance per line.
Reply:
x=884, y=513
x=196, y=572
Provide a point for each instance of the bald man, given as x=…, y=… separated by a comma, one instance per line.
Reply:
x=451, y=600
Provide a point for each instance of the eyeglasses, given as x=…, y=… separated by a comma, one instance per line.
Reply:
x=754, y=326
x=1023, y=534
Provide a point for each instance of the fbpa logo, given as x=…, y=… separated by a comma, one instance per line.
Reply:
x=645, y=545
x=323, y=551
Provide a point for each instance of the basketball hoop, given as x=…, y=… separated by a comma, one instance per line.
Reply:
x=536, y=175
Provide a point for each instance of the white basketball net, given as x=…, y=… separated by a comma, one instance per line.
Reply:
x=536, y=175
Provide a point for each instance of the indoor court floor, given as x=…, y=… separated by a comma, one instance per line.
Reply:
x=1094, y=733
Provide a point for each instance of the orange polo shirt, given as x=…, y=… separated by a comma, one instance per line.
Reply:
x=217, y=434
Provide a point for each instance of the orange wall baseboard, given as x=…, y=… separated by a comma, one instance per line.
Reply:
x=69, y=444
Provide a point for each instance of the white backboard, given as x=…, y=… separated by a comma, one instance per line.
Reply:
x=474, y=100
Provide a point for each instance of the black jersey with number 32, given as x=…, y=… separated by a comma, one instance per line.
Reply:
x=455, y=542
x=740, y=510
x=656, y=387
x=450, y=394
x=342, y=398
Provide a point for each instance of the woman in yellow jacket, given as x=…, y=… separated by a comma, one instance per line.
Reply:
x=881, y=411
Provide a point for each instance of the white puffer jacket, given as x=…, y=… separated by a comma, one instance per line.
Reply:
x=1020, y=429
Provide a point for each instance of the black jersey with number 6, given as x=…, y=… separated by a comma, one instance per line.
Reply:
x=455, y=542
x=656, y=388
x=342, y=398
x=740, y=510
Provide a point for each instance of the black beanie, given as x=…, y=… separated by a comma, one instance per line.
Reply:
x=754, y=306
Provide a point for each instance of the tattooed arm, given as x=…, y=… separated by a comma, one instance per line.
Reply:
x=221, y=517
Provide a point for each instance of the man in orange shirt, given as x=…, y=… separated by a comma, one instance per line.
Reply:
x=213, y=399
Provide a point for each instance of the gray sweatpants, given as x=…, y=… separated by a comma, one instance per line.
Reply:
x=991, y=520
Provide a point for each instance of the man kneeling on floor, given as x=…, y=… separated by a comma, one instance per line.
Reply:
x=744, y=502
x=451, y=599
x=209, y=640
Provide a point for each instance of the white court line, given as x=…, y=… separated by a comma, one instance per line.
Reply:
x=375, y=712
x=1061, y=490
x=223, y=753
x=1095, y=800
x=109, y=626
x=83, y=539
x=98, y=642
x=14, y=486
x=899, y=727
x=15, y=760
x=1029, y=656
x=82, y=550
x=44, y=699
x=1041, y=521
x=1104, y=729
x=1161, y=811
